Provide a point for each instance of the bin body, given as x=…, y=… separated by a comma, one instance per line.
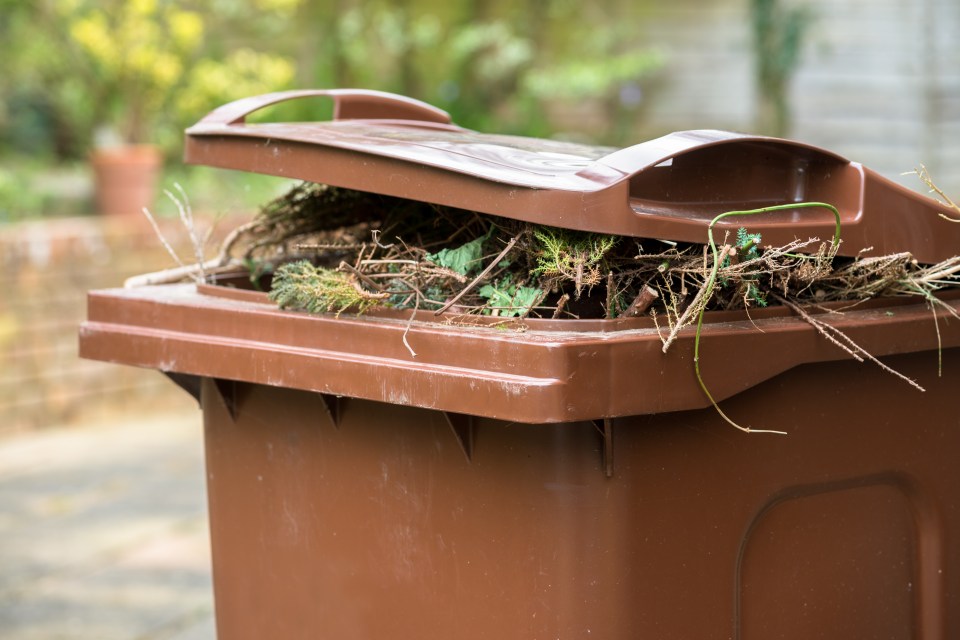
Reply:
x=381, y=527
x=568, y=481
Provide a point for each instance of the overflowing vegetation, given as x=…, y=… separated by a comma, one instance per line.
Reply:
x=376, y=251
x=322, y=249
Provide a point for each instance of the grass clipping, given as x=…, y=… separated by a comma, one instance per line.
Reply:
x=326, y=250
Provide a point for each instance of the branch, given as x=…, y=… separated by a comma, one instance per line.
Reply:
x=483, y=274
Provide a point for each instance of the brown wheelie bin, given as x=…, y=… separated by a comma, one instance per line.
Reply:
x=571, y=480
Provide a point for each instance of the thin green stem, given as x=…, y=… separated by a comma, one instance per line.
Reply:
x=712, y=279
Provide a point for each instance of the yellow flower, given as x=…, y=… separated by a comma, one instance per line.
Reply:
x=186, y=27
x=280, y=6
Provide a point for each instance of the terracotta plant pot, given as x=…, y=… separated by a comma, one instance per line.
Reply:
x=125, y=178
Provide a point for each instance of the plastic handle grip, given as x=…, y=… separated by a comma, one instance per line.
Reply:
x=633, y=160
x=349, y=104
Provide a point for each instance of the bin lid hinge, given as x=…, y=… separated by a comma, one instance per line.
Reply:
x=334, y=406
x=605, y=429
x=463, y=426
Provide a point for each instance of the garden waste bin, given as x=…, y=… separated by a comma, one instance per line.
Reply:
x=397, y=476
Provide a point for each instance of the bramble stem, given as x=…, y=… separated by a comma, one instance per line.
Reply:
x=712, y=279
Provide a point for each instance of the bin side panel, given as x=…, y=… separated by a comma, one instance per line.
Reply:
x=834, y=556
x=383, y=528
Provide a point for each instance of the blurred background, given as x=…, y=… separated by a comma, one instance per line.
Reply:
x=87, y=86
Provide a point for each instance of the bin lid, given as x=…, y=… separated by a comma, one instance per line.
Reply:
x=668, y=188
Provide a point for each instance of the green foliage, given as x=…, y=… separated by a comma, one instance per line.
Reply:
x=17, y=199
x=756, y=295
x=148, y=62
x=130, y=71
x=300, y=285
x=748, y=247
x=136, y=53
x=778, y=33
x=241, y=73
x=509, y=300
x=575, y=256
x=147, y=68
x=748, y=244
x=499, y=73
x=257, y=270
x=465, y=259
x=591, y=76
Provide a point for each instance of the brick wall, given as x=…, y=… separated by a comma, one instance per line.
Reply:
x=47, y=269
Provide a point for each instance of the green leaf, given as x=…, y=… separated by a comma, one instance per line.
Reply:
x=509, y=299
x=465, y=259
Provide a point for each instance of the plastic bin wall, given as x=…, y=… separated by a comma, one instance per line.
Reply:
x=380, y=527
x=402, y=512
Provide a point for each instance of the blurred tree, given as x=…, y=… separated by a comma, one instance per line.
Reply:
x=41, y=92
x=148, y=60
x=778, y=33
x=148, y=68
x=139, y=69
x=501, y=73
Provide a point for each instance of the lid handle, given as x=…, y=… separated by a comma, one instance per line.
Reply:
x=348, y=104
x=633, y=160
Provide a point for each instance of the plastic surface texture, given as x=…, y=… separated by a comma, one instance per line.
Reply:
x=378, y=527
x=668, y=188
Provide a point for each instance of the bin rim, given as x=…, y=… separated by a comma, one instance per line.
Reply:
x=533, y=376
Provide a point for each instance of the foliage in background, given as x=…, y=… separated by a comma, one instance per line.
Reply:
x=491, y=73
x=145, y=69
x=131, y=71
x=134, y=53
x=778, y=35
x=147, y=63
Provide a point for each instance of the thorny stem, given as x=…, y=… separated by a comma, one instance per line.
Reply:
x=711, y=282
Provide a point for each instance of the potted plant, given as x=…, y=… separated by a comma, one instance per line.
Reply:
x=135, y=54
x=144, y=63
